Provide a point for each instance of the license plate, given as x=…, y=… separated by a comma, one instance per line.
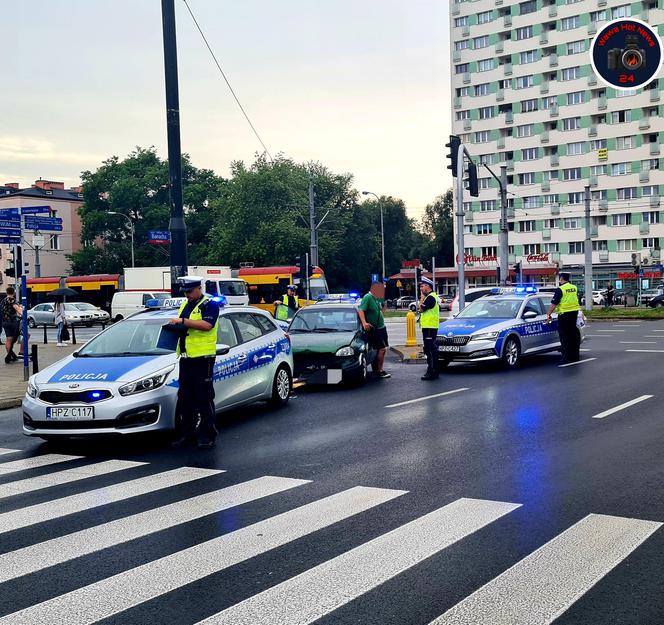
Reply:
x=449, y=348
x=70, y=412
x=334, y=376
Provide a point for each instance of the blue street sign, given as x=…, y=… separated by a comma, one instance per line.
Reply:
x=659, y=268
x=8, y=212
x=35, y=210
x=29, y=225
x=159, y=236
x=10, y=223
x=374, y=277
x=10, y=240
x=10, y=232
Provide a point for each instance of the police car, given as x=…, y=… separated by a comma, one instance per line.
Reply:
x=125, y=380
x=504, y=325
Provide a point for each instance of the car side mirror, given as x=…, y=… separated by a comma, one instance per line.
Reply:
x=222, y=349
x=530, y=314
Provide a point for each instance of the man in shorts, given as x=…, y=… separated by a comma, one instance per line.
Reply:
x=371, y=315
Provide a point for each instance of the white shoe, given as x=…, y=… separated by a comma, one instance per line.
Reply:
x=61, y=345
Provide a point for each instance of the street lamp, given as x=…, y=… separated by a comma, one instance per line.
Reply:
x=131, y=232
x=382, y=231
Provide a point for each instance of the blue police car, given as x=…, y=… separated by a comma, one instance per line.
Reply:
x=504, y=325
x=125, y=379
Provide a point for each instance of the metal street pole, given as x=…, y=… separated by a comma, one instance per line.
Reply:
x=460, y=238
x=37, y=263
x=313, y=257
x=588, y=252
x=176, y=225
x=433, y=272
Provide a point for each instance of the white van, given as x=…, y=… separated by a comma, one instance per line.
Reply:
x=126, y=303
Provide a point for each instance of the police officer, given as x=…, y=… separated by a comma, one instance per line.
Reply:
x=196, y=324
x=288, y=305
x=566, y=303
x=429, y=322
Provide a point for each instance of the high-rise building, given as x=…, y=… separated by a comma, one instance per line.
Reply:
x=524, y=95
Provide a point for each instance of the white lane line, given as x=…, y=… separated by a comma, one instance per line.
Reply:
x=638, y=342
x=128, y=589
x=597, y=336
x=598, y=330
x=57, y=508
x=578, y=362
x=309, y=596
x=584, y=350
x=652, y=336
x=646, y=351
x=64, y=548
x=31, y=484
x=36, y=462
x=539, y=588
x=4, y=451
x=419, y=399
x=655, y=330
x=627, y=404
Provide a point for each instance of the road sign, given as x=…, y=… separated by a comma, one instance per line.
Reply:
x=9, y=240
x=10, y=232
x=43, y=223
x=38, y=240
x=8, y=212
x=374, y=277
x=159, y=237
x=35, y=210
x=10, y=223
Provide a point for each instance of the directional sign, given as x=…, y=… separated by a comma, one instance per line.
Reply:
x=159, y=237
x=8, y=212
x=10, y=240
x=10, y=223
x=35, y=210
x=43, y=223
x=10, y=232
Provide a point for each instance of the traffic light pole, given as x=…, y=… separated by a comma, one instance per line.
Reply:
x=460, y=238
x=588, y=252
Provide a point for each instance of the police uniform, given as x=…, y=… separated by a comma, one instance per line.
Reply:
x=566, y=301
x=429, y=322
x=290, y=304
x=197, y=350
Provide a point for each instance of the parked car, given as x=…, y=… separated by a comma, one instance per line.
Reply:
x=649, y=294
x=446, y=302
x=127, y=303
x=657, y=301
x=98, y=315
x=76, y=313
x=471, y=296
x=599, y=297
x=406, y=301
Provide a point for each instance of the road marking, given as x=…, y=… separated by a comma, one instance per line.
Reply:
x=646, y=351
x=578, y=362
x=638, y=342
x=584, y=350
x=414, y=401
x=32, y=484
x=539, y=588
x=627, y=404
x=652, y=336
x=598, y=330
x=130, y=588
x=64, y=548
x=597, y=336
x=656, y=330
x=36, y=462
x=57, y=508
x=7, y=451
x=311, y=595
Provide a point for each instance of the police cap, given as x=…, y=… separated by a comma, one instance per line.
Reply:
x=565, y=275
x=290, y=287
x=427, y=281
x=187, y=283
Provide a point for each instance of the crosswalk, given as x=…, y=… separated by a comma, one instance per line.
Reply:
x=534, y=591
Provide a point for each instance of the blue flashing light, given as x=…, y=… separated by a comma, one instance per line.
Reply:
x=353, y=294
x=220, y=299
x=520, y=289
x=153, y=303
x=531, y=289
x=496, y=291
x=95, y=395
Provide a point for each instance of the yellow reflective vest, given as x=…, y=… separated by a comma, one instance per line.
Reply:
x=199, y=342
x=570, y=299
x=431, y=318
x=282, y=311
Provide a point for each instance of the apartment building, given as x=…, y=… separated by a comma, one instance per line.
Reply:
x=524, y=95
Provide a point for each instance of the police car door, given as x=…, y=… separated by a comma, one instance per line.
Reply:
x=252, y=353
x=550, y=338
x=226, y=385
x=533, y=334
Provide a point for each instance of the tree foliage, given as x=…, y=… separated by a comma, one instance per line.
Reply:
x=438, y=229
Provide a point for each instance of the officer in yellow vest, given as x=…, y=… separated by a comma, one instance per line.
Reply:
x=429, y=322
x=288, y=305
x=197, y=324
x=566, y=303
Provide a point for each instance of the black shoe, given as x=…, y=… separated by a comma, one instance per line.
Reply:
x=13, y=356
x=181, y=442
x=429, y=376
x=8, y=359
x=383, y=375
x=206, y=443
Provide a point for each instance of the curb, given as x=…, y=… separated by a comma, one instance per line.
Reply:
x=591, y=320
x=11, y=402
x=409, y=358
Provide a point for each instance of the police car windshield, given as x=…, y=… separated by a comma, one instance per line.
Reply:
x=489, y=308
x=144, y=337
x=326, y=320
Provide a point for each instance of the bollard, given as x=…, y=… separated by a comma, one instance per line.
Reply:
x=73, y=334
x=45, y=336
x=411, y=338
x=35, y=359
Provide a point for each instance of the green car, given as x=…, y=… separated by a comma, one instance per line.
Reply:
x=329, y=345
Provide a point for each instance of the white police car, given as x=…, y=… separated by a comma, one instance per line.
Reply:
x=504, y=325
x=125, y=379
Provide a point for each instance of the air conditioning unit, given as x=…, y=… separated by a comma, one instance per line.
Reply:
x=646, y=261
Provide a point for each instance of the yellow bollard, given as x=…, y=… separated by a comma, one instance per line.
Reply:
x=411, y=338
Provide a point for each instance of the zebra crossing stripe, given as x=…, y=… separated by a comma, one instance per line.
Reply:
x=326, y=587
x=36, y=462
x=29, y=485
x=128, y=589
x=4, y=451
x=58, y=550
x=57, y=508
x=539, y=588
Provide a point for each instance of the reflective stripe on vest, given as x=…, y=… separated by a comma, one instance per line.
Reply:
x=431, y=318
x=570, y=299
x=199, y=342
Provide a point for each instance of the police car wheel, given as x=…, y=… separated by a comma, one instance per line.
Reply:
x=511, y=352
x=281, y=386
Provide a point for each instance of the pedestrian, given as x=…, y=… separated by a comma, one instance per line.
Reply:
x=11, y=317
x=288, y=305
x=371, y=310
x=610, y=292
x=566, y=303
x=196, y=324
x=59, y=322
x=429, y=322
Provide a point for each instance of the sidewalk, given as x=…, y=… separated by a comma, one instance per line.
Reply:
x=12, y=385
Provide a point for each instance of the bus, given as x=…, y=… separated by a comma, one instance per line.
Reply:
x=266, y=285
x=95, y=289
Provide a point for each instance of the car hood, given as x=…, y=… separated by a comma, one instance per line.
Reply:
x=464, y=327
x=84, y=371
x=320, y=342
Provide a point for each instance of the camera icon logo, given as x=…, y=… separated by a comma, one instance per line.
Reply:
x=631, y=57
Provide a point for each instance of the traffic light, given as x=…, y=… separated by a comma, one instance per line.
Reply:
x=472, y=185
x=10, y=271
x=517, y=271
x=302, y=264
x=418, y=274
x=454, y=144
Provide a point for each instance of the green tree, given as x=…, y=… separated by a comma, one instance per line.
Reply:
x=437, y=226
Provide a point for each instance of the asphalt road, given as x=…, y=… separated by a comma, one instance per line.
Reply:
x=521, y=497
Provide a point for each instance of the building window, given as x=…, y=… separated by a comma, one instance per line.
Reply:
x=483, y=228
x=482, y=136
x=484, y=17
x=626, y=193
x=573, y=173
x=481, y=42
x=551, y=223
x=484, y=183
x=550, y=174
x=597, y=144
x=528, y=7
x=576, y=247
x=568, y=23
x=527, y=178
x=598, y=220
x=621, y=219
x=619, y=169
x=575, y=198
x=620, y=117
x=461, y=115
x=526, y=32
x=551, y=247
x=624, y=10
x=485, y=65
x=487, y=205
x=467, y=207
x=531, y=201
x=487, y=112
x=575, y=98
x=532, y=248
x=461, y=21
x=572, y=123
x=600, y=246
x=549, y=102
x=490, y=250
x=548, y=200
x=598, y=16
x=650, y=243
x=576, y=47
x=649, y=190
x=570, y=73
x=650, y=217
x=530, y=154
x=54, y=242
x=626, y=245
x=523, y=82
x=650, y=164
x=482, y=89
x=468, y=230
x=571, y=223
x=530, y=56
x=461, y=45
x=527, y=226
x=528, y=106
x=486, y=159
x=524, y=131
x=576, y=148
x=462, y=91
x=625, y=143
x=626, y=93
x=600, y=195
x=462, y=68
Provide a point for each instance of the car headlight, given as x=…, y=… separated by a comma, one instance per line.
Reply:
x=32, y=390
x=346, y=351
x=484, y=336
x=149, y=383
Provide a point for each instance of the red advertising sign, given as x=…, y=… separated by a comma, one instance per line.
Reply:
x=411, y=264
x=537, y=258
x=634, y=276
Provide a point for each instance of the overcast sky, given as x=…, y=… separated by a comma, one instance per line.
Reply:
x=360, y=85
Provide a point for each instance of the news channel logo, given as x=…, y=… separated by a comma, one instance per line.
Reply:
x=626, y=54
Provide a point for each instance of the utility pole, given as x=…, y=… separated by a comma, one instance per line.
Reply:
x=313, y=255
x=177, y=225
x=588, y=252
x=37, y=263
x=433, y=272
x=503, y=237
x=460, y=238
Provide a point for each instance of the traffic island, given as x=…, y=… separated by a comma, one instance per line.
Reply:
x=409, y=354
x=625, y=314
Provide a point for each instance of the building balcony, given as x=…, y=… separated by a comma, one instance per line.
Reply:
x=644, y=123
x=654, y=95
x=602, y=103
x=500, y=95
x=553, y=10
x=544, y=37
x=654, y=201
x=644, y=227
x=500, y=45
x=456, y=57
x=466, y=78
x=655, y=253
x=654, y=149
x=507, y=69
x=456, y=9
x=546, y=234
x=592, y=131
x=465, y=31
x=644, y=176
x=457, y=102
x=501, y=143
x=468, y=217
x=510, y=165
x=593, y=181
x=604, y=256
x=604, y=205
x=592, y=28
x=544, y=137
x=507, y=20
x=592, y=79
x=553, y=110
x=467, y=124
x=555, y=161
x=553, y=60
x=544, y=87
x=509, y=117
x=546, y=185
x=555, y=209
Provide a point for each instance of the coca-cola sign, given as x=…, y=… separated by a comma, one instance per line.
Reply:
x=471, y=258
x=537, y=258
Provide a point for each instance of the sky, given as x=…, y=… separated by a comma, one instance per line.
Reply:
x=360, y=85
